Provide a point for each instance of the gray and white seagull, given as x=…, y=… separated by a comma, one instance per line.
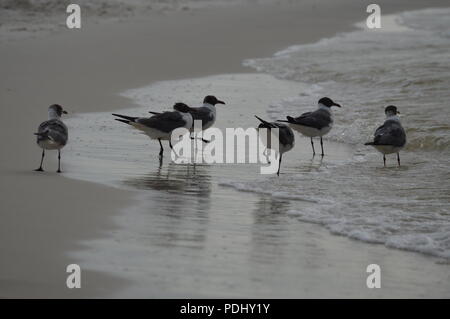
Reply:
x=314, y=124
x=205, y=113
x=160, y=125
x=390, y=138
x=52, y=134
x=286, y=138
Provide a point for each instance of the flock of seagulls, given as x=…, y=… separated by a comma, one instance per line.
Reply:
x=389, y=138
x=161, y=125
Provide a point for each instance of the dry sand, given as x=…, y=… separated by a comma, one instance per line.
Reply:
x=44, y=216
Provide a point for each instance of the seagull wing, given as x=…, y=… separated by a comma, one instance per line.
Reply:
x=390, y=133
x=165, y=122
x=317, y=119
x=203, y=114
x=54, y=130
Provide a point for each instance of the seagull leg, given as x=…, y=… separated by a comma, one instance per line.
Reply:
x=398, y=159
x=42, y=160
x=171, y=147
x=279, y=165
x=384, y=160
x=312, y=144
x=321, y=144
x=193, y=136
x=162, y=149
x=59, y=162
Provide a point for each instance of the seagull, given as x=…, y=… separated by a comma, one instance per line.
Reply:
x=52, y=134
x=160, y=125
x=205, y=113
x=313, y=124
x=390, y=137
x=285, y=137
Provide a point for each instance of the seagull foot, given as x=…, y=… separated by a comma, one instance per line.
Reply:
x=39, y=169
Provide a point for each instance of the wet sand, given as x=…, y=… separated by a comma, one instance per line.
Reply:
x=213, y=230
x=45, y=216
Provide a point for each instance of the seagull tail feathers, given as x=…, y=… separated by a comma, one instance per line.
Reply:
x=290, y=119
x=262, y=121
x=265, y=124
x=129, y=118
x=370, y=143
x=123, y=121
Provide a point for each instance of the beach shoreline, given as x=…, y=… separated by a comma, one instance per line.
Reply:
x=213, y=220
x=85, y=71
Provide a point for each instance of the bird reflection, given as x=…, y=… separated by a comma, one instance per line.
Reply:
x=269, y=230
x=177, y=204
x=312, y=165
x=192, y=180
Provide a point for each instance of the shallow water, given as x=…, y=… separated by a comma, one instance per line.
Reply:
x=406, y=63
x=187, y=233
x=226, y=230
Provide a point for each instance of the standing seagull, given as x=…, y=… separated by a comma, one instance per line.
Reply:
x=317, y=123
x=160, y=125
x=390, y=137
x=205, y=113
x=52, y=134
x=285, y=138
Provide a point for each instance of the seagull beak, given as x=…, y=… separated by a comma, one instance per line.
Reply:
x=398, y=112
x=220, y=102
x=335, y=104
x=64, y=112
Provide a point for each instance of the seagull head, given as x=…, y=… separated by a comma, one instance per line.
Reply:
x=391, y=110
x=57, y=109
x=211, y=99
x=326, y=101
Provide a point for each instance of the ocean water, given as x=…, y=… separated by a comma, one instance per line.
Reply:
x=407, y=64
x=220, y=230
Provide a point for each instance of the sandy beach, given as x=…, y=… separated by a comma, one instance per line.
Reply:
x=47, y=218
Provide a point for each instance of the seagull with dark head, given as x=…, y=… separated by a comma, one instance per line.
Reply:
x=52, y=134
x=390, y=138
x=205, y=113
x=160, y=125
x=286, y=138
x=314, y=124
